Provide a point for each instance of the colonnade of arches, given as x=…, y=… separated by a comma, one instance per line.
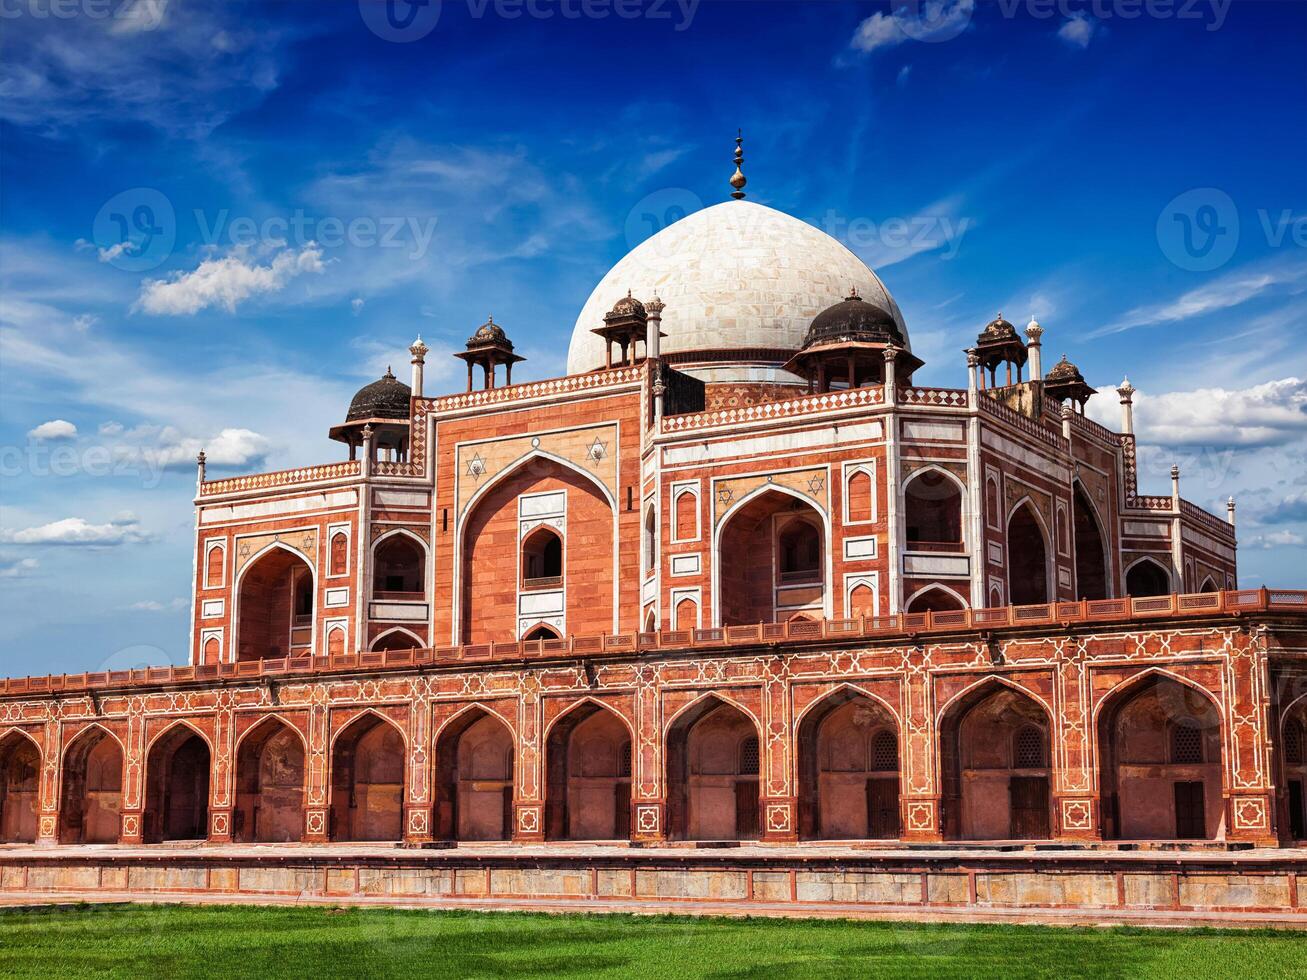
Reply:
x=1159, y=749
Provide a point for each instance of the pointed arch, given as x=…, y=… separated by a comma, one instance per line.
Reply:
x=20, y=786
x=725, y=699
x=387, y=639
x=399, y=574
x=826, y=561
x=368, y=763
x=267, y=622
x=270, y=782
x=91, y=785
x=844, y=790
x=1291, y=738
x=588, y=765
x=178, y=761
x=1093, y=567
x=923, y=600
x=713, y=771
x=1030, y=550
x=935, y=512
x=475, y=754
x=990, y=791
x=1209, y=585
x=541, y=557
x=541, y=631
x=847, y=689
x=1146, y=576
x=1149, y=791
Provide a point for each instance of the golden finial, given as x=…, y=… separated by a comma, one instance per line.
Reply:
x=737, y=179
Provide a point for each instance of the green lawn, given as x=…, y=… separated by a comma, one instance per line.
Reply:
x=305, y=943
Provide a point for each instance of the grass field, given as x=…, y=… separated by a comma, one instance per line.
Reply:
x=180, y=941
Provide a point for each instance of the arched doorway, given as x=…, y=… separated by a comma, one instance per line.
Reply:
x=712, y=774
x=772, y=561
x=269, y=784
x=934, y=599
x=848, y=770
x=588, y=766
x=1159, y=743
x=399, y=569
x=92, y=791
x=994, y=754
x=1147, y=578
x=1293, y=752
x=397, y=640
x=541, y=632
x=539, y=489
x=275, y=607
x=20, y=788
x=367, y=781
x=1027, y=557
x=474, y=773
x=177, y=787
x=932, y=504
x=1091, y=553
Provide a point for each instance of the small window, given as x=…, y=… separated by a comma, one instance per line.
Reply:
x=800, y=552
x=335, y=643
x=884, y=751
x=749, y=756
x=541, y=632
x=542, y=559
x=212, y=650
x=1028, y=750
x=1293, y=743
x=650, y=541
x=400, y=566
x=339, y=554
x=859, y=502
x=687, y=516
x=624, y=760
x=303, y=596
x=213, y=561
x=1186, y=745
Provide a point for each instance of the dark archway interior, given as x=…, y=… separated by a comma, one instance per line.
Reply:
x=20, y=771
x=934, y=600
x=92, y=792
x=399, y=569
x=1091, y=553
x=542, y=559
x=177, y=787
x=1027, y=559
x=1147, y=578
x=934, y=513
x=588, y=770
x=772, y=564
x=276, y=607
x=367, y=782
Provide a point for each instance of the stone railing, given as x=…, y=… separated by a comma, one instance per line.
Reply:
x=768, y=411
x=992, y=406
x=1209, y=521
x=913, y=627
x=282, y=478
x=942, y=397
x=575, y=383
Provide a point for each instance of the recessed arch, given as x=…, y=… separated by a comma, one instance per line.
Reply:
x=1292, y=777
x=20, y=786
x=993, y=786
x=848, y=690
x=542, y=558
x=1146, y=577
x=397, y=638
x=1091, y=552
x=752, y=591
x=270, y=612
x=1209, y=585
x=986, y=681
x=1029, y=555
x=91, y=785
x=541, y=631
x=935, y=597
x=588, y=767
x=368, y=764
x=713, y=771
x=1147, y=790
x=475, y=753
x=400, y=561
x=933, y=504
x=270, y=782
x=847, y=743
x=177, y=773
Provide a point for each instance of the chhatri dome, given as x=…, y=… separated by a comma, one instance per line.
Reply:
x=741, y=282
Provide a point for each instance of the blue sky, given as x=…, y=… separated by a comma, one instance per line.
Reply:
x=301, y=194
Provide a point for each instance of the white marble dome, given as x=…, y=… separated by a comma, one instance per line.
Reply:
x=734, y=276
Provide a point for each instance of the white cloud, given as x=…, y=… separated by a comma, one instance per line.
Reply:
x=17, y=567
x=54, y=430
x=1270, y=414
x=1227, y=291
x=153, y=605
x=156, y=447
x=356, y=305
x=935, y=20
x=1278, y=539
x=1078, y=30
x=226, y=282
x=123, y=529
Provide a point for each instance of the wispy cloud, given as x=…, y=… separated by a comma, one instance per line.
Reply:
x=929, y=20
x=18, y=567
x=1078, y=29
x=1270, y=414
x=77, y=531
x=227, y=281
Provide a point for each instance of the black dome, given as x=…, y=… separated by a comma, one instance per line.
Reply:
x=853, y=319
x=386, y=398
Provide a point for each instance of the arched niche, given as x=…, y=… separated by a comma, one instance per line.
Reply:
x=367, y=781
x=90, y=810
x=20, y=788
x=588, y=775
x=275, y=606
x=269, y=784
x=474, y=778
x=848, y=753
x=177, y=769
x=713, y=773
x=1028, y=557
x=771, y=560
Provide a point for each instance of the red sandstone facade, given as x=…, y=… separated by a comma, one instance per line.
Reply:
x=653, y=602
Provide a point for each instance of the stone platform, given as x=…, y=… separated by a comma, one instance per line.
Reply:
x=1157, y=885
